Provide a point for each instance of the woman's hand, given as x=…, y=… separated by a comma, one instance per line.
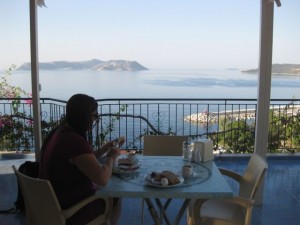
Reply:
x=121, y=141
x=106, y=147
x=113, y=152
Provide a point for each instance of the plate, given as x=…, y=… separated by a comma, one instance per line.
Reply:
x=151, y=182
x=124, y=169
x=194, y=175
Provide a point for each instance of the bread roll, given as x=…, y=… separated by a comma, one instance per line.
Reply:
x=172, y=177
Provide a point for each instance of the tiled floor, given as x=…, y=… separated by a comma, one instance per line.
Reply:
x=281, y=202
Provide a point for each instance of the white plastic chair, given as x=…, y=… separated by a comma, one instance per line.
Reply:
x=162, y=145
x=42, y=206
x=236, y=211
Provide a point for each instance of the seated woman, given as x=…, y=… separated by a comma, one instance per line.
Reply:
x=70, y=163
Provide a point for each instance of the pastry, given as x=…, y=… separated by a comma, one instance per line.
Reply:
x=172, y=177
x=125, y=161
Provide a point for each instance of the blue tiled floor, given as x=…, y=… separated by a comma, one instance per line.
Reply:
x=281, y=197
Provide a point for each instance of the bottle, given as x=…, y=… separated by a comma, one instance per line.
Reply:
x=197, y=152
x=186, y=150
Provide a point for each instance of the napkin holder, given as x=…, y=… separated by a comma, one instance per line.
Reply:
x=205, y=147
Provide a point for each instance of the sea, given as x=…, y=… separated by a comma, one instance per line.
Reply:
x=205, y=84
x=201, y=83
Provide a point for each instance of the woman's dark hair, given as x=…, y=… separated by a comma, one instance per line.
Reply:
x=79, y=110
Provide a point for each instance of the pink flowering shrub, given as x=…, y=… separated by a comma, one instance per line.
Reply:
x=15, y=126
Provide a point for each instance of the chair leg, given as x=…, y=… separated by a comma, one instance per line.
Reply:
x=189, y=213
x=142, y=214
x=194, y=205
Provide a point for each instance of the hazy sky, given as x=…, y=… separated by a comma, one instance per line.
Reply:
x=159, y=34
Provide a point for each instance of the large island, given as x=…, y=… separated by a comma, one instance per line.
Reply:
x=282, y=69
x=94, y=64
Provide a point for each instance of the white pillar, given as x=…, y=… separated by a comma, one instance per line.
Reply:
x=35, y=79
x=265, y=74
x=264, y=84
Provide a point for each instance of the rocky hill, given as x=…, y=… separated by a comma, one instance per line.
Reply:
x=94, y=64
x=288, y=69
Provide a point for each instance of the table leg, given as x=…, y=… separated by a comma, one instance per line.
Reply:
x=181, y=211
x=153, y=212
x=167, y=203
x=163, y=210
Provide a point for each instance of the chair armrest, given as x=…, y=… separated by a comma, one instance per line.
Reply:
x=243, y=202
x=194, y=210
x=237, y=177
x=73, y=209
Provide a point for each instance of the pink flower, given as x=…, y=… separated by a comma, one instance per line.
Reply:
x=4, y=121
x=28, y=102
x=8, y=123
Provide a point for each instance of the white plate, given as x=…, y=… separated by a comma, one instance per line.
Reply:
x=151, y=182
x=126, y=169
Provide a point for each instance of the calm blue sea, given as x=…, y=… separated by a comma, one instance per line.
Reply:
x=156, y=84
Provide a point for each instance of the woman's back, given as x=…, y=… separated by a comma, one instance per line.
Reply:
x=69, y=183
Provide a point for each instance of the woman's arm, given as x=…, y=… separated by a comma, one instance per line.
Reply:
x=96, y=172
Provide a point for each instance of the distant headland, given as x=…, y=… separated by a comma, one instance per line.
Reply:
x=94, y=64
x=280, y=69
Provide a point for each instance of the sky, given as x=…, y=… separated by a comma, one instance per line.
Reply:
x=159, y=34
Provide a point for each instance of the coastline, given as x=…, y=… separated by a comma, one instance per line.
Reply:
x=241, y=114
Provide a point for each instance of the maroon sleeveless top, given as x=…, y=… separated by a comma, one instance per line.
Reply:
x=69, y=183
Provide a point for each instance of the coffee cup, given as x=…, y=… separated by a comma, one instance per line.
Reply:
x=132, y=157
x=187, y=171
x=116, y=162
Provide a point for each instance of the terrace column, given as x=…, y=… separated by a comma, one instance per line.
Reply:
x=35, y=79
x=264, y=88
